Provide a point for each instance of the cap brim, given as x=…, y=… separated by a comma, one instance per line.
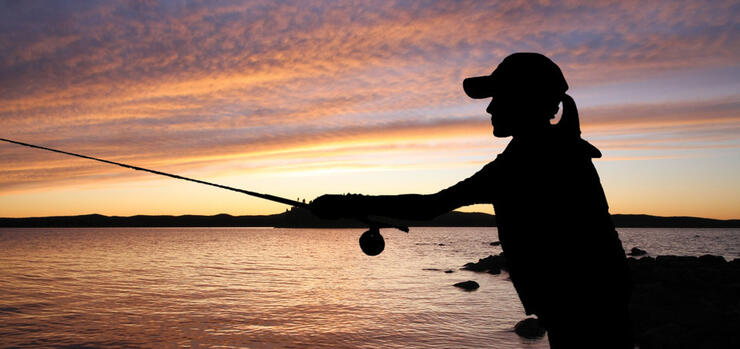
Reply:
x=478, y=87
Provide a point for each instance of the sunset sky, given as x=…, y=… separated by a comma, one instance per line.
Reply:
x=303, y=98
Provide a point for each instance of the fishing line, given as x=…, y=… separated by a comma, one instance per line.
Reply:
x=371, y=241
x=251, y=193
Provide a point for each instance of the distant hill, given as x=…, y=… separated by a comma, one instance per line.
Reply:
x=301, y=218
x=648, y=221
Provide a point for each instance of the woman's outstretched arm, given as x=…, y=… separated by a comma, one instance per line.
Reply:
x=474, y=190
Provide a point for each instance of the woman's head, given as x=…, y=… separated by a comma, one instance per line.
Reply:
x=526, y=89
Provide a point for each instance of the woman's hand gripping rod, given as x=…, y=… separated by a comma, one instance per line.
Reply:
x=374, y=223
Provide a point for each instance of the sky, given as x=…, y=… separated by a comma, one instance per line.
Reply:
x=303, y=98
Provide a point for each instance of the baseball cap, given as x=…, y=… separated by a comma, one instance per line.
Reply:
x=521, y=72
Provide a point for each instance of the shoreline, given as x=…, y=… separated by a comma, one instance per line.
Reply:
x=302, y=218
x=677, y=301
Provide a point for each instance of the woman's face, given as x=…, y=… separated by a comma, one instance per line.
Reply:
x=514, y=114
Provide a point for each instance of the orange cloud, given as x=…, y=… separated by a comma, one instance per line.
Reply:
x=187, y=87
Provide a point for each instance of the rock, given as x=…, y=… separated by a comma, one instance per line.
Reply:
x=676, y=261
x=677, y=301
x=469, y=285
x=448, y=271
x=708, y=259
x=637, y=252
x=735, y=262
x=496, y=243
x=440, y=244
x=660, y=337
x=685, y=302
x=529, y=328
x=497, y=262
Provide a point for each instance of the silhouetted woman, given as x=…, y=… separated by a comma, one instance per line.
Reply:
x=564, y=256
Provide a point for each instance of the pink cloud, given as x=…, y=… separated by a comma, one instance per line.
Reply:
x=168, y=83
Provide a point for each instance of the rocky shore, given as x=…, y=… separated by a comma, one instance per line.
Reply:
x=677, y=302
x=686, y=302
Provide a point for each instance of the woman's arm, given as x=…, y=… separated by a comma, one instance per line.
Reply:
x=406, y=206
x=474, y=190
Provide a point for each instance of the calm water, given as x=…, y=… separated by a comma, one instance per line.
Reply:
x=265, y=288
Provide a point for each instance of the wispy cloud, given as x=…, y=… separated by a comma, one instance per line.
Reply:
x=189, y=84
x=683, y=126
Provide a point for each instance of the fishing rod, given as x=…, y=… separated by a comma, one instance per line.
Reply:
x=371, y=241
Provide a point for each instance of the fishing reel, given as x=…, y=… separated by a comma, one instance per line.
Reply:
x=371, y=242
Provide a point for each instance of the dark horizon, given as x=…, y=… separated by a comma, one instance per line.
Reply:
x=298, y=218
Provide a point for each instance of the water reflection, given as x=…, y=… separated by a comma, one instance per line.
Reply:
x=261, y=288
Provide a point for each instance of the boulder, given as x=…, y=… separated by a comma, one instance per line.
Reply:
x=677, y=301
x=529, y=328
x=497, y=262
x=469, y=285
x=636, y=252
x=709, y=259
x=685, y=302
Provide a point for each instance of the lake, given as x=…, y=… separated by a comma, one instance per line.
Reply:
x=267, y=288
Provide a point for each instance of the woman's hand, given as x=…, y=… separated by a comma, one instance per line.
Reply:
x=333, y=206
